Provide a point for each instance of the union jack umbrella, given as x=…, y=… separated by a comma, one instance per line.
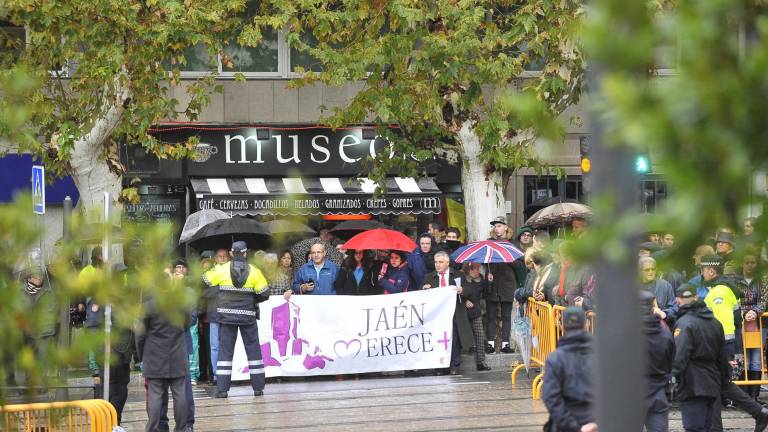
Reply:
x=487, y=251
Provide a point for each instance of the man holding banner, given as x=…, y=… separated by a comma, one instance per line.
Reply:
x=241, y=287
x=443, y=277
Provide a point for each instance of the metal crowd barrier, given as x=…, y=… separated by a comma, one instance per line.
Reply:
x=754, y=340
x=546, y=329
x=93, y=415
x=543, y=340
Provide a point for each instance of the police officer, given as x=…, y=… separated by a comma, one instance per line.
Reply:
x=661, y=354
x=726, y=309
x=240, y=287
x=567, y=388
x=700, y=366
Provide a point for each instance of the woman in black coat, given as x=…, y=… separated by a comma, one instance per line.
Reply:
x=356, y=275
x=473, y=285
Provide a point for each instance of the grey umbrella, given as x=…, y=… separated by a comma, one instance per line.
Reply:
x=199, y=219
x=558, y=214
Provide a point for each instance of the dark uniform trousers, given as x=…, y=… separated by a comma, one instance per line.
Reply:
x=227, y=338
x=740, y=399
x=657, y=414
x=697, y=413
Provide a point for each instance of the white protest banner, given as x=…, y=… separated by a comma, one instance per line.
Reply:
x=331, y=335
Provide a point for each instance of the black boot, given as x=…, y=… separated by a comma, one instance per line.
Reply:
x=761, y=422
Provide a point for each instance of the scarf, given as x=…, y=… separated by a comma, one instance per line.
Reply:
x=31, y=288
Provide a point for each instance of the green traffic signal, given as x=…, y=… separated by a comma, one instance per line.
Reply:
x=642, y=164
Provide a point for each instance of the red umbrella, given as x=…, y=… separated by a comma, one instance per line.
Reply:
x=381, y=239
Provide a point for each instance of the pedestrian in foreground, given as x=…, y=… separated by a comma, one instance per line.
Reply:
x=700, y=366
x=162, y=347
x=567, y=389
x=661, y=354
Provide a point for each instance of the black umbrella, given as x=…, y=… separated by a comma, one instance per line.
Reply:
x=222, y=233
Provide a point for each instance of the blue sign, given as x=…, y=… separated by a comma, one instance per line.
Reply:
x=38, y=189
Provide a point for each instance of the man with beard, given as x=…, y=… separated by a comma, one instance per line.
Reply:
x=239, y=288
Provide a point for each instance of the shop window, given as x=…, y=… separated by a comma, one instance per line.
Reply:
x=541, y=191
x=653, y=194
x=12, y=42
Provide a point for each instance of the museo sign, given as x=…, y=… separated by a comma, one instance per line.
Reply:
x=275, y=151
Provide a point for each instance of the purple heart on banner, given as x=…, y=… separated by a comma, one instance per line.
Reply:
x=349, y=348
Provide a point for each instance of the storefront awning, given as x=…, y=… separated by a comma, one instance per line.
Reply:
x=316, y=196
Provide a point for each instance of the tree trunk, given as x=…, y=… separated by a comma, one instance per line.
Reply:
x=483, y=188
x=94, y=165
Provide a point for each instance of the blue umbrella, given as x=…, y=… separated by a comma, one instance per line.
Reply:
x=487, y=251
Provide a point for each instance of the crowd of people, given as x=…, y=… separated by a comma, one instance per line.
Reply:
x=235, y=279
x=694, y=321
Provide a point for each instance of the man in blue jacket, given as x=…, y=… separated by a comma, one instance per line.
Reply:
x=317, y=276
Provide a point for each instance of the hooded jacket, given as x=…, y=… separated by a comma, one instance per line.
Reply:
x=238, y=287
x=700, y=365
x=567, y=389
x=661, y=352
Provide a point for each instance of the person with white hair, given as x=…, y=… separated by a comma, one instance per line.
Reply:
x=666, y=307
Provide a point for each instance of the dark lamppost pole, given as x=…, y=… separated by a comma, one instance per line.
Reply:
x=620, y=349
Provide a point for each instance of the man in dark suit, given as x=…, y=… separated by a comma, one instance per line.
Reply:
x=444, y=277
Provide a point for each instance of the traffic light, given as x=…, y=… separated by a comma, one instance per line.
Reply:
x=642, y=164
x=586, y=162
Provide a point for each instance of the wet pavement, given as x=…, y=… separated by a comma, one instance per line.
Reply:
x=473, y=401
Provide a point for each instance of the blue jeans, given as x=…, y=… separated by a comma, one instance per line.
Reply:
x=213, y=338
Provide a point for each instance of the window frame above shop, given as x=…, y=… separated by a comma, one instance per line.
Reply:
x=286, y=68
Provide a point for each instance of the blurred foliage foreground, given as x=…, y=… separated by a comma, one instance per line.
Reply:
x=32, y=351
